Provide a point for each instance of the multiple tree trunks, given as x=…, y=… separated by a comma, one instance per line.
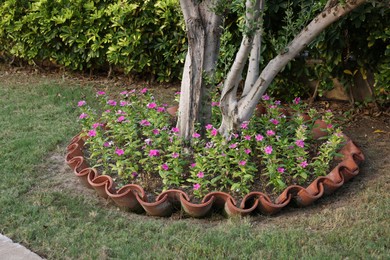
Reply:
x=204, y=38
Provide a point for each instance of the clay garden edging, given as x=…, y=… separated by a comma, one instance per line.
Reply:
x=132, y=197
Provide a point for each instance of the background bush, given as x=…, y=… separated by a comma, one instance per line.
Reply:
x=148, y=37
x=133, y=36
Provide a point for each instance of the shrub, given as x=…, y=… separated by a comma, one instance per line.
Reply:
x=135, y=36
x=133, y=140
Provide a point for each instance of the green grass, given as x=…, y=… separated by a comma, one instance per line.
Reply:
x=38, y=119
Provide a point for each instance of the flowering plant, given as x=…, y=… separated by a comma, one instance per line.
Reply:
x=135, y=141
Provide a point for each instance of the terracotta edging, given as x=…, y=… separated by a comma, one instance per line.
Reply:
x=132, y=197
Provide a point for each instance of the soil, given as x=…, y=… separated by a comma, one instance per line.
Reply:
x=367, y=126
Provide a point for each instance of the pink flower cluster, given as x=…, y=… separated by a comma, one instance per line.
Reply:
x=300, y=143
x=81, y=103
x=111, y=102
x=83, y=115
x=144, y=122
x=154, y=153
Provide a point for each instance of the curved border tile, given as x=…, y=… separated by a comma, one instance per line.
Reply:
x=132, y=197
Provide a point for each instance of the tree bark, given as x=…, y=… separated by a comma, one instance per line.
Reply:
x=203, y=33
x=203, y=39
x=254, y=57
x=229, y=92
x=247, y=103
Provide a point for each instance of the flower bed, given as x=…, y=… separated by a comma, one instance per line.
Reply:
x=286, y=149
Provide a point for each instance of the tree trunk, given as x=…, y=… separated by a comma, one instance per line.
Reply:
x=254, y=58
x=229, y=108
x=203, y=33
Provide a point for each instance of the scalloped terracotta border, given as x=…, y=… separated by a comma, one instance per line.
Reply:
x=133, y=197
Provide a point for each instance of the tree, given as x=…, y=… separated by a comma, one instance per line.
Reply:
x=203, y=21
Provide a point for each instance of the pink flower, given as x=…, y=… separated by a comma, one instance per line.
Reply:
x=81, y=103
x=242, y=163
x=244, y=125
x=96, y=125
x=91, y=133
x=209, y=126
x=111, y=102
x=175, y=130
x=178, y=93
x=329, y=126
x=101, y=93
x=274, y=121
x=200, y=174
x=277, y=102
x=304, y=164
x=209, y=145
x=265, y=97
x=247, y=151
x=151, y=105
x=120, y=119
x=268, y=149
x=154, y=153
x=192, y=165
x=215, y=104
x=123, y=103
x=297, y=100
x=300, y=143
x=144, y=122
x=144, y=91
x=270, y=132
x=119, y=152
x=233, y=146
x=148, y=141
x=107, y=144
x=247, y=137
x=160, y=109
x=124, y=93
x=165, y=167
x=175, y=155
x=281, y=169
x=196, y=186
x=107, y=111
x=83, y=115
x=135, y=174
x=156, y=131
x=214, y=132
x=195, y=135
x=259, y=138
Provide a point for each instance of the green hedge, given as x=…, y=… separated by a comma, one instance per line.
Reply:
x=148, y=37
x=137, y=36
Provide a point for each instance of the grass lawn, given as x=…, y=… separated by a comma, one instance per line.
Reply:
x=59, y=221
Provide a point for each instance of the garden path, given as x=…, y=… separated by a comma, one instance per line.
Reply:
x=14, y=251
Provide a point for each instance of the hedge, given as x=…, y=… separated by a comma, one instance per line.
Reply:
x=148, y=37
x=136, y=35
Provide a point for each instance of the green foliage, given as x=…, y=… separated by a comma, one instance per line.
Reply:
x=148, y=37
x=59, y=220
x=360, y=41
x=136, y=36
x=134, y=141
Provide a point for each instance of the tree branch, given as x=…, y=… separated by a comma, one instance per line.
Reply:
x=248, y=103
x=254, y=60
